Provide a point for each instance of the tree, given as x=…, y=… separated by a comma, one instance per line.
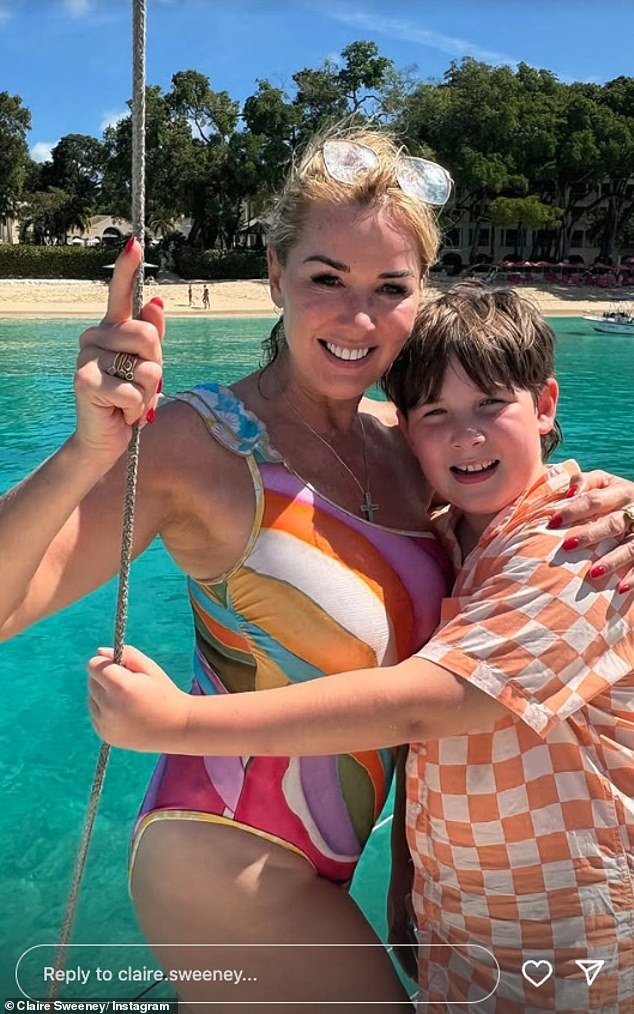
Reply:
x=354, y=88
x=522, y=213
x=170, y=156
x=213, y=115
x=573, y=172
x=75, y=171
x=42, y=217
x=15, y=121
x=467, y=122
x=363, y=75
x=220, y=171
x=616, y=145
x=274, y=121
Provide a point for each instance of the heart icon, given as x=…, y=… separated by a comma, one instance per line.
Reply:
x=537, y=972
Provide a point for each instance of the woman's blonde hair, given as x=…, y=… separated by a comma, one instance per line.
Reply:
x=309, y=183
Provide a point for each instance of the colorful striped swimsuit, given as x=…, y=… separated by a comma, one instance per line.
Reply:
x=317, y=591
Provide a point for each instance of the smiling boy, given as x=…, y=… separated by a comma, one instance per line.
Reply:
x=521, y=831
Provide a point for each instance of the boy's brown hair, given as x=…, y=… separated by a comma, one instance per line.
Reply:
x=499, y=338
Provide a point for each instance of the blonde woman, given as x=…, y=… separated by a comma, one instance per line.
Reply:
x=300, y=521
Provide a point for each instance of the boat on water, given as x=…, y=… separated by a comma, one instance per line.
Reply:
x=612, y=321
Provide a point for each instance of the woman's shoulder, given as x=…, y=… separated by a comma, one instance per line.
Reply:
x=227, y=418
x=207, y=491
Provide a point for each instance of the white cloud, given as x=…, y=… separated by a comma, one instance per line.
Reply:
x=412, y=32
x=41, y=151
x=78, y=7
x=112, y=117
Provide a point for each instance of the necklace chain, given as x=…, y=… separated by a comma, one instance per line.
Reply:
x=367, y=505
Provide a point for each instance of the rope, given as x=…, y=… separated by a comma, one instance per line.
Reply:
x=138, y=219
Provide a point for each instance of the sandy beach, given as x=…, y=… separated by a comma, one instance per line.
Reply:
x=44, y=298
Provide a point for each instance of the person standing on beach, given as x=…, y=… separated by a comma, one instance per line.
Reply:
x=301, y=522
x=206, y=300
x=190, y=295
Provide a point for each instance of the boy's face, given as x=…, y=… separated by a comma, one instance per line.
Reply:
x=480, y=451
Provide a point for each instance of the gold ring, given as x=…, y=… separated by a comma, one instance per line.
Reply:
x=628, y=514
x=122, y=366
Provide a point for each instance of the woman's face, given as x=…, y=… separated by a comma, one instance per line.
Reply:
x=349, y=290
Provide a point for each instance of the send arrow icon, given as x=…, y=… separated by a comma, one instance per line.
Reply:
x=590, y=968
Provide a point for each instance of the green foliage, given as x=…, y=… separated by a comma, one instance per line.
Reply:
x=220, y=264
x=527, y=211
x=353, y=87
x=29, y=261
x=523, y=148
x=214, y=114
x=15, y=120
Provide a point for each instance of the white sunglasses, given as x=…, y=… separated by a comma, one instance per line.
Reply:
x=346, y=161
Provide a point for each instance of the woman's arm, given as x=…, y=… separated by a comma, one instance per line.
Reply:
x=595, y=508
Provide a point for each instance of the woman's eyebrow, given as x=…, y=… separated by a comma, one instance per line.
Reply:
x=327, y=260
x=339, y=266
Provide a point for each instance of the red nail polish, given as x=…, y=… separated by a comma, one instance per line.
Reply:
x=159, y=386
x=572, y=492
x=572, y=543
x=149, y=417
x=623, y=588
x=158, y=301
x=129, y=244
x=555, y=521
x=598, y=571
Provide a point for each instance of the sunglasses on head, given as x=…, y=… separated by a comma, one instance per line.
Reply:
x=346, y=161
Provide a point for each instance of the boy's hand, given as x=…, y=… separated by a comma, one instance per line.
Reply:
x=135, y=705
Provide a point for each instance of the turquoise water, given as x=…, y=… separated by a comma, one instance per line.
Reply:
x=47, y=747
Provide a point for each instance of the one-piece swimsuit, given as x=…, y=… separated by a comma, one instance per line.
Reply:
x=317, y=591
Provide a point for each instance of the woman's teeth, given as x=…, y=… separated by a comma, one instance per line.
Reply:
x=340, y=353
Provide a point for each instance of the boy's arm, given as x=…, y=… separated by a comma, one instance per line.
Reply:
x=137, y=706
x=496, y=658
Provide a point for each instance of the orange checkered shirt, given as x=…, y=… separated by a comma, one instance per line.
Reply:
x=522, y=834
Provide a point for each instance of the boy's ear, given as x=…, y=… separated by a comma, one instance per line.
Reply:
x=275, y=277
x=547, y=405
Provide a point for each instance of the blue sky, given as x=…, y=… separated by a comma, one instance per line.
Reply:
x=69, y=60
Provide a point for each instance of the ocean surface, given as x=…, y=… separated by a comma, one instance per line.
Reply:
x=48, y=750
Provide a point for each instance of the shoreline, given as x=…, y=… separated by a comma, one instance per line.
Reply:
x=47, y=298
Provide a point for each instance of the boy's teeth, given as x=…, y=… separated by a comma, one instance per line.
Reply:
x=476, y=468
x=340, y=353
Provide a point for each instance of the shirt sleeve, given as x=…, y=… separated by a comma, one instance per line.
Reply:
x=528, y=629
